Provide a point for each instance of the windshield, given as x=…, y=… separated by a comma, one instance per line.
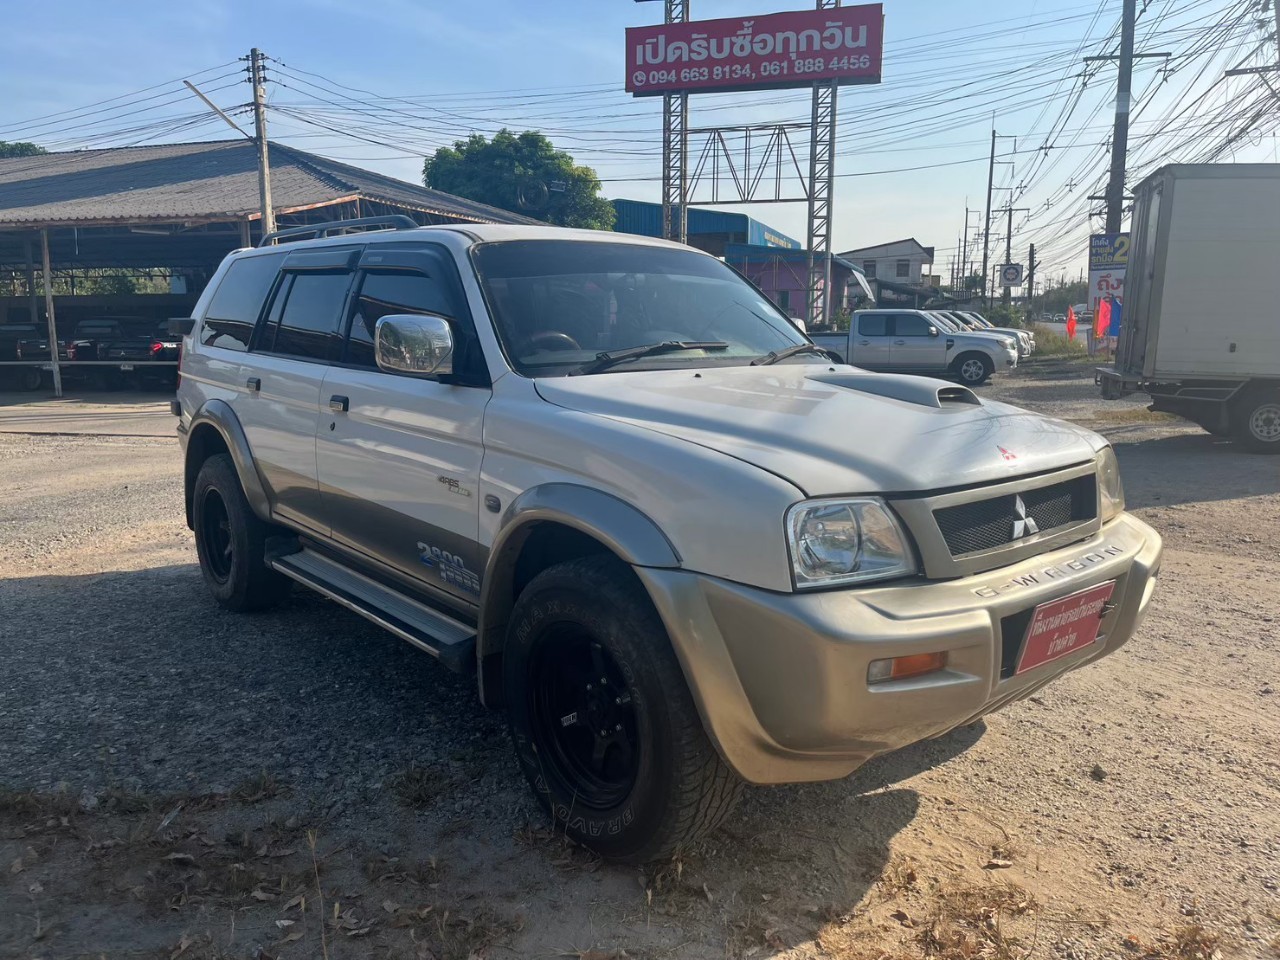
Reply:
x=557, y=304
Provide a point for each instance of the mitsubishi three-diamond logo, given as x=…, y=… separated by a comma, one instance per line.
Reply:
x=1024, y=525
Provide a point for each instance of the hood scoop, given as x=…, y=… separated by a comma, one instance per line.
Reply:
x=918, y=390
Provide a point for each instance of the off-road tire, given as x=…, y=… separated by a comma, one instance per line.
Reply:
x=965, y=368
x=1255, y=420
x=682, y=788
x=230, y=541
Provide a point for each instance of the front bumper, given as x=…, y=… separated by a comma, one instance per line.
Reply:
x=781, y=679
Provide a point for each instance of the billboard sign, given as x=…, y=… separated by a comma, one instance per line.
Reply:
x=1108, y=261
x=796, y=49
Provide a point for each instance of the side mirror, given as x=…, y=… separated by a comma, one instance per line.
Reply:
x=933, y=331
x=420, y=345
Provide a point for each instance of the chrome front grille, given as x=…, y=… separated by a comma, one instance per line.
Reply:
x=962, y=532
x=998, y=521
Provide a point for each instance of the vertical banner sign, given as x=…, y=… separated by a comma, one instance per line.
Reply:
x=1108, y=260
x=796, y=49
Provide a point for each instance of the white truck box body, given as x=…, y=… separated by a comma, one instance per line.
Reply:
x=1201, y=292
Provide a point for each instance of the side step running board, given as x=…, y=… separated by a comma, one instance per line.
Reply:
x=450, y=640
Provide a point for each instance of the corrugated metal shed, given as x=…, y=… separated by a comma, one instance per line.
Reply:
x=201, y=182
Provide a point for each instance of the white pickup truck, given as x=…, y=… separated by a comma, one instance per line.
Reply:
x=680, y=547
x=912, y=341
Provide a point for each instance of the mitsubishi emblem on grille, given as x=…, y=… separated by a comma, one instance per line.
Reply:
x=1024, y=525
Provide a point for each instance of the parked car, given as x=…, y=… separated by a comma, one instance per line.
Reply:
x=138, y=350
x=910, y=341
x=20, y=378
x=949, y=321
x=977, y=322
x=676, y=543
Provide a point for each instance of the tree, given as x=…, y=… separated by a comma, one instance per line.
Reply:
x=525, y=174
x=19, y=148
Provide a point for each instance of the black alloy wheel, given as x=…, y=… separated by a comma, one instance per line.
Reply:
x=585, y=715
x=231, y=541
x=215, y=530
x=602, y=719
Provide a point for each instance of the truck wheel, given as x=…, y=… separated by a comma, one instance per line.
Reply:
x=973, y=369
x=1257, y=421
x=29, y=378
x=604, y=726
x=230, y=541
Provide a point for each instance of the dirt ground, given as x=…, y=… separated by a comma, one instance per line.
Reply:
x=177, y=782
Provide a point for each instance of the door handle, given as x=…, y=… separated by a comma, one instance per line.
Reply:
x=865, y=343
x=254, y=384
x=339, y=404
x=899, y=343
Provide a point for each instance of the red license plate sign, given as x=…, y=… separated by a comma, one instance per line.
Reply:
x=1060, y=627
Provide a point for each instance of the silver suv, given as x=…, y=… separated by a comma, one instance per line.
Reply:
x=680, y=547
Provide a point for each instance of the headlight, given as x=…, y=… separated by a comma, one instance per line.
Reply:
x=846, y=541
x=1110, y=489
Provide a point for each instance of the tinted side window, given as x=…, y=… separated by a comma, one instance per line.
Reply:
x=309, y=324
x=910, y=325
x=873, y=325
x=382, y=294
x=237, y=302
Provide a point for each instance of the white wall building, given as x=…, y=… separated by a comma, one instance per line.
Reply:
x=902, y=261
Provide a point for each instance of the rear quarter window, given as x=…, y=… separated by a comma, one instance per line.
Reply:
x=236, y=304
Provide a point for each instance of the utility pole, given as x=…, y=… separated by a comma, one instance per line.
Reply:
x=1031, y=276
x=1120, y=138
x=964, y=245
x=256, y=59
x=986, y=224
x=1008, y=245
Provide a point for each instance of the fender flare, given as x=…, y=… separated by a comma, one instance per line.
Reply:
x=620, y=527
x=218, y=415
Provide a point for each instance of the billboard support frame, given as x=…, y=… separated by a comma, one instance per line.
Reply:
x=822, y=170
x=676, y=184
x=675, y=147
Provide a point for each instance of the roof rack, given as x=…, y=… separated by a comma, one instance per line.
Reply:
x=395, y=222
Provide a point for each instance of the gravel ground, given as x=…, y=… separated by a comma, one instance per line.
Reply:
x=173, y=779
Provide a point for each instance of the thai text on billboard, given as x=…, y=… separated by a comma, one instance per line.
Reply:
x=844, y=44
x=1108, y=261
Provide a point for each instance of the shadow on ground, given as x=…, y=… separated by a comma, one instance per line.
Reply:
x=1192, y=468
x=135, y=685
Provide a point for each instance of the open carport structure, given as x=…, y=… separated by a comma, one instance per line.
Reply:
x=170, y=212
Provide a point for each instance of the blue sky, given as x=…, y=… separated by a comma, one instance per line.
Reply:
x=558, y=65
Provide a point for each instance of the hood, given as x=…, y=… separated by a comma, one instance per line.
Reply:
x=834, y=430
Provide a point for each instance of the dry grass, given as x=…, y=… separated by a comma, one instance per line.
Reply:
x=1133, y=415
x=255, y=789
x=1051, y=345
x=1191, y=942
x=980, y=921
x=27, y=805
x=899, y=877
x=456, y=933
x=421, y=787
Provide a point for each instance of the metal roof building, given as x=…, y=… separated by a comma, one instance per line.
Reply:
x=709, y=230
x=188, y=204
x=169, y=211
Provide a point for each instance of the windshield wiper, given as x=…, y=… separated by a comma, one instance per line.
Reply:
x=604, y=361
x=773, y=356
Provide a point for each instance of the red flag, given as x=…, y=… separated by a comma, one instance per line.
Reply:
x=1102, y=319
x=1071, y=323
